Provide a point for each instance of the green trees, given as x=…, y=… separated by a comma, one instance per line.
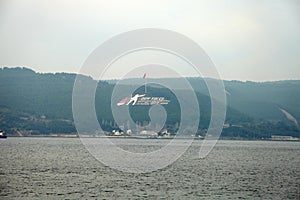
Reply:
x=42, y=104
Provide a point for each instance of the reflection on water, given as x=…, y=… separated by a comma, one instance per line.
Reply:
x=62, y=168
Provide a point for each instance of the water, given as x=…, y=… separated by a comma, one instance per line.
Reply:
x=61, y=168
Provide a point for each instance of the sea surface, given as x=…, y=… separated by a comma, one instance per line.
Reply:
x=61, y=168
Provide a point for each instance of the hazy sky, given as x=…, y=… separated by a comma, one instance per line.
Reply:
x=247, y=40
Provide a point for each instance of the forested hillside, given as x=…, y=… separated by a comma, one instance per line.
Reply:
x=34, y=103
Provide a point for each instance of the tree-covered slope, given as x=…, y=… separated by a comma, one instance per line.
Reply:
x=42, y=103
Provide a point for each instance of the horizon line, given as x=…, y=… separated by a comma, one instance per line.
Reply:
x=115, y=78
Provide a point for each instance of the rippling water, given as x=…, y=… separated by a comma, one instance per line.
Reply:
x=61, y=168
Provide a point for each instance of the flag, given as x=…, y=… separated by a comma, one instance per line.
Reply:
x=144, y=76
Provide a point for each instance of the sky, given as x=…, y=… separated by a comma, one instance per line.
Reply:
x=256, y=40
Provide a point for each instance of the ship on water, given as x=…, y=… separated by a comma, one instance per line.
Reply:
x=2, y=134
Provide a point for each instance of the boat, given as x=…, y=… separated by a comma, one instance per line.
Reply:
x=2, y=134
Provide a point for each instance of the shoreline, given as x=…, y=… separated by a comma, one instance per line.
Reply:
x=148, y=138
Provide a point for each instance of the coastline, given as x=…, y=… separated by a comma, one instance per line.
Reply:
x=147, y=138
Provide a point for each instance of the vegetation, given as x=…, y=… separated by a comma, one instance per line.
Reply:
x=33, y=103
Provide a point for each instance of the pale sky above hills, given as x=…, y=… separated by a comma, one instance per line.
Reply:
x=247, y=40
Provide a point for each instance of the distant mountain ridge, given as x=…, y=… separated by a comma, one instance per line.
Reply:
x=35, y=103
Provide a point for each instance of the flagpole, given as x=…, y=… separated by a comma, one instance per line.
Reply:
x=145, y=77
x=145, y=85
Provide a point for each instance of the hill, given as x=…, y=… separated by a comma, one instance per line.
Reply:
x=34, y=103
x=260, y=100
